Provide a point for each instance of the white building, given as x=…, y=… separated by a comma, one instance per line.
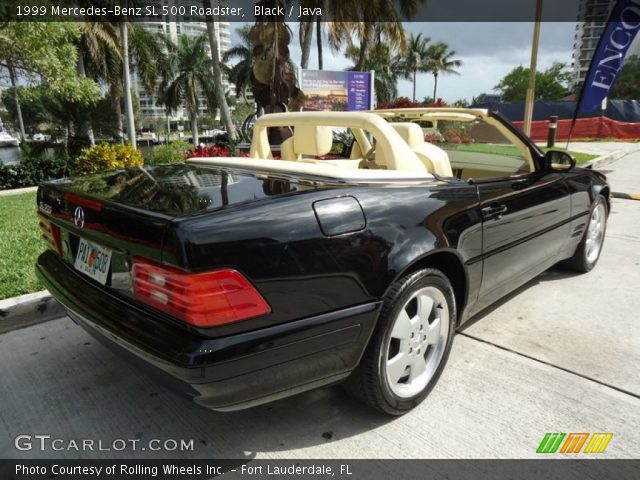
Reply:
x=592, y=19
x=151, y=114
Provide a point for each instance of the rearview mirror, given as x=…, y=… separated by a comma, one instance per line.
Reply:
x=559, y=160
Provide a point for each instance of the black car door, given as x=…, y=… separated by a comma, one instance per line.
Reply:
x=525, y=226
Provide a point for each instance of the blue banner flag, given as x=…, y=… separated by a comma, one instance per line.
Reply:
x=608, y=59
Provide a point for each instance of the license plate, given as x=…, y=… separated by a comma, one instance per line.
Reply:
x=93, y=260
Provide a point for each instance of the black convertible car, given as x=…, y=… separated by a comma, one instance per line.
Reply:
x=354, y=257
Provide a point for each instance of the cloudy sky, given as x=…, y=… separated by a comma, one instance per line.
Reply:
x=488, y=52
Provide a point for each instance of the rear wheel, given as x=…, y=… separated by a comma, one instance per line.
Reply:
x=410, y=345
x=588, y=251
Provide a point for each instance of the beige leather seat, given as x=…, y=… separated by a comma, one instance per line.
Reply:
x=307, y=140
x=434, y=158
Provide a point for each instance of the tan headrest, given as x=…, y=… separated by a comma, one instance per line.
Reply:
x=312, y=140
x=410, y=133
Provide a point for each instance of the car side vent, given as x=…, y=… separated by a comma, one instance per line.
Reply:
x=337, y=216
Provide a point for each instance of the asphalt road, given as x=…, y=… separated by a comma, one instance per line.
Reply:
x=559, y=355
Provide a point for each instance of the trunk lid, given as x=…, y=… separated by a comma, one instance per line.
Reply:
x=117, y=216
x=174, y=190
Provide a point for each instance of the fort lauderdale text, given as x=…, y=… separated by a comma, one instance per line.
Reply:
x=248, y=469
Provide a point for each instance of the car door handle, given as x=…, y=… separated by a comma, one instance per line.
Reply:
x=494, y=211
x=521, y=184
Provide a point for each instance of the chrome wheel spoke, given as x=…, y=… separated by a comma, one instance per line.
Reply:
x=417, y=367
x=425, y=306
x=433, y=332
x=397, y=366
x=403, y=327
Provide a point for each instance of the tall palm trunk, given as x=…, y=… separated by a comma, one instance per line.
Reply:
x=16, y=98
x=414, y=84
x=319, y=42
x=86, y=127
x=116, y=99
x=435, y=85
x=221, y=100
x=194, y=129
x=365, y=42
x=128, y=102
x=306, y=35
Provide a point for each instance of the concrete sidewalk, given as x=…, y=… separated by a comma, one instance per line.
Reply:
x=602, y=148
x=624, y=175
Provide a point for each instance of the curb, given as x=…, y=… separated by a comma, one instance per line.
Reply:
x=27, y=310
x=606, y=159
x=626, y=196
x=17, y=191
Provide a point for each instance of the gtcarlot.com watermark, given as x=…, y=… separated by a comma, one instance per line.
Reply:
x=48, y=443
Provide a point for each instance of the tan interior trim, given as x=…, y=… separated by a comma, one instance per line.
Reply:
x=391, y=150
x=323, y=169
x=459, y=114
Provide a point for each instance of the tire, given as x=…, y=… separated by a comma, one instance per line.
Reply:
x=417, y=320
x=589, y=249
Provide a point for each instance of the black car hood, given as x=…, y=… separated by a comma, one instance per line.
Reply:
x=177, y=189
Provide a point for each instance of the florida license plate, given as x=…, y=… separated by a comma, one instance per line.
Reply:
x=93, y=260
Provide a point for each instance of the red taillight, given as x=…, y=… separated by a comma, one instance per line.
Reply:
x=205, y=300
x=50, y=234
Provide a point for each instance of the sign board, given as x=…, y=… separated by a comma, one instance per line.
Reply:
x=337, y=91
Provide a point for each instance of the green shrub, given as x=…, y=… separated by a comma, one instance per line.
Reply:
x=105, y=156
x=35, y=169
x=169, y=153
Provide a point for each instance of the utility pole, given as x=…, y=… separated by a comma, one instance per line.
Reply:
x=531, y=89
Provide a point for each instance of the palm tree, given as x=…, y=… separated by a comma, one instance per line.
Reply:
x=336, y=33
x=387, y=68
x=216, y=66
x=416, y=58
x=128, y=103
x=368, y=29
x=441, y=61
x=305, y=32
x=97, y=41
x=103, y=60
x=240, y=73
x=187, y=76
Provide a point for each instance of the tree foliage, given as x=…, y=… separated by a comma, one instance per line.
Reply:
x=415, y=59
x=627, y=86
x=46, y=51
x=551, y=84
x=240, y=73
x=187, y=77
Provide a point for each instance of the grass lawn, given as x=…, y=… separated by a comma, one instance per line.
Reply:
x=510, y=150
x=20, y=245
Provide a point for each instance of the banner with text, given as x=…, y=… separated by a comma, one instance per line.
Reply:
x=608, y=59
x=337, y=91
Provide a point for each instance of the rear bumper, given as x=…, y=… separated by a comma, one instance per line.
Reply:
x=225, y=373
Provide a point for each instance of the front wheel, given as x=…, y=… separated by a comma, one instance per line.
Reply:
x=410, y=345
x=588, y=251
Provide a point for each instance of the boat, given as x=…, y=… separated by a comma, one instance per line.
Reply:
x=7, y=140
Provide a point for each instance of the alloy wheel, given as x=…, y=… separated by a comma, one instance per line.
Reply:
x=417, y=342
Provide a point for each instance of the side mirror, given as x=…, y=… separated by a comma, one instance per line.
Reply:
x=560, y=161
